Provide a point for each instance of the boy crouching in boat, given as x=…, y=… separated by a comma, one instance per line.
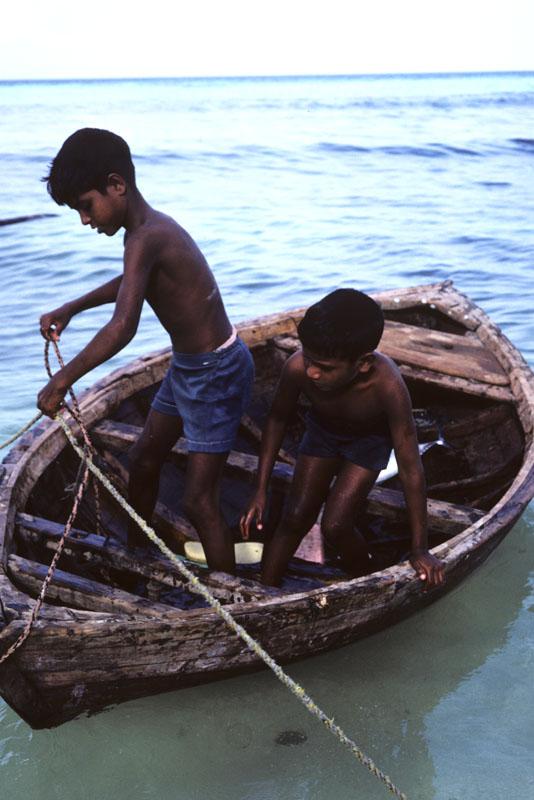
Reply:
x=209, y=380
x=360, y=408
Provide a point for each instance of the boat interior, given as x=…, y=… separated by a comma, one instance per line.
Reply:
x=463, y=411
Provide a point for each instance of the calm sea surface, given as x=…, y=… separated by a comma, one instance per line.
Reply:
x=293, y=187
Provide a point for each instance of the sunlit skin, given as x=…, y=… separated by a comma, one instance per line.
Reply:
x=163, y=265
x=346, y=392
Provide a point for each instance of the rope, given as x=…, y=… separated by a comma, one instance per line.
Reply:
x=82, y=485
x=196, y=586
x=77, y=414
x=256, y=648
x=21, y=431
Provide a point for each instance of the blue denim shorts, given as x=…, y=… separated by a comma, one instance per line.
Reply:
x=210, y=392
x=369, y=450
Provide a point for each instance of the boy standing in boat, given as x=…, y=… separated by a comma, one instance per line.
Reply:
x=208, y=384
x=360, y=409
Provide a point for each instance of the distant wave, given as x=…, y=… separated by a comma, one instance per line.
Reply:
x=445, y=103
x=495, y=184
x=342, y=148
x=432, y=150
x=526, y=144
x=242, y=152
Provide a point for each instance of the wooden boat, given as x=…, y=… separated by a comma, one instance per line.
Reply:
x=119, y=625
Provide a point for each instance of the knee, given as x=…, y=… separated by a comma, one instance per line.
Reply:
x=199, y=506
x=142, y=460
x=333, y=530
x=297, y=520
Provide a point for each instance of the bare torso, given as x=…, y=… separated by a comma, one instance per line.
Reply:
x=181, y=287
x=363, y=400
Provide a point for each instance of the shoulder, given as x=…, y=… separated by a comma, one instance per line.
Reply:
x=389, y=381
x=294, y=366
x=293, y=372
x=386, y=371
x=157, y=227
x=159, y=235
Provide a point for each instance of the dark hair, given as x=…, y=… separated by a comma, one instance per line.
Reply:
x=344, y=324
x=85, y=161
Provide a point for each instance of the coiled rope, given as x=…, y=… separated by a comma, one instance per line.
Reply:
x=194, y=583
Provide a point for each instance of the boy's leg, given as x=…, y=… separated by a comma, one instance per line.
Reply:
x=201, y=504
x=346, y=496
x=307, y=493
x=146, y=459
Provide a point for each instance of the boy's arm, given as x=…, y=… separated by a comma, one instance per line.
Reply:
x=114, y=335
x=284, y=402
x=54, y=322
x=403, y=432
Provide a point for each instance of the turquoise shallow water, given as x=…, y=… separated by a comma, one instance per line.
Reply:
x=293, y=187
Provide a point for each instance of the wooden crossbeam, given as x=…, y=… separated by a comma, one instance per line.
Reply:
x=77, y=592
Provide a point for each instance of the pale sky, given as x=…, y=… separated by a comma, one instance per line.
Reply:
x=172, y=38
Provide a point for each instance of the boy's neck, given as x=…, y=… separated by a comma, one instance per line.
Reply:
x=137, y=211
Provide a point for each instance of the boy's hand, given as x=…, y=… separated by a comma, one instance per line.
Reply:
x=53, y=323
x=255, y=512
x=428, y=567
x=50, y=398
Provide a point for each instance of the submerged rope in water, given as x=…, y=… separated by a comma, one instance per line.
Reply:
x=199, y=588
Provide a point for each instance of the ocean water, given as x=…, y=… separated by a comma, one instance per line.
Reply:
x=293, y=187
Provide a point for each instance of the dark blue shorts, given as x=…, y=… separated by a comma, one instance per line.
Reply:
x=369, y=450
x=210, y=392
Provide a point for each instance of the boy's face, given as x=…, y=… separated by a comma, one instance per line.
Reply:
x=330, y=374
x=106, y=211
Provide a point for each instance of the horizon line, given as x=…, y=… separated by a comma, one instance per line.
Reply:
x=309, y=75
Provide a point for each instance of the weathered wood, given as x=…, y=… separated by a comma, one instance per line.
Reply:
x=448, y=518
x=455, y=384
x=97, y=549
x=446, y=353
x=79, y=592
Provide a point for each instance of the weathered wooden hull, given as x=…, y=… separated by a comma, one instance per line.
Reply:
x=81, y=661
